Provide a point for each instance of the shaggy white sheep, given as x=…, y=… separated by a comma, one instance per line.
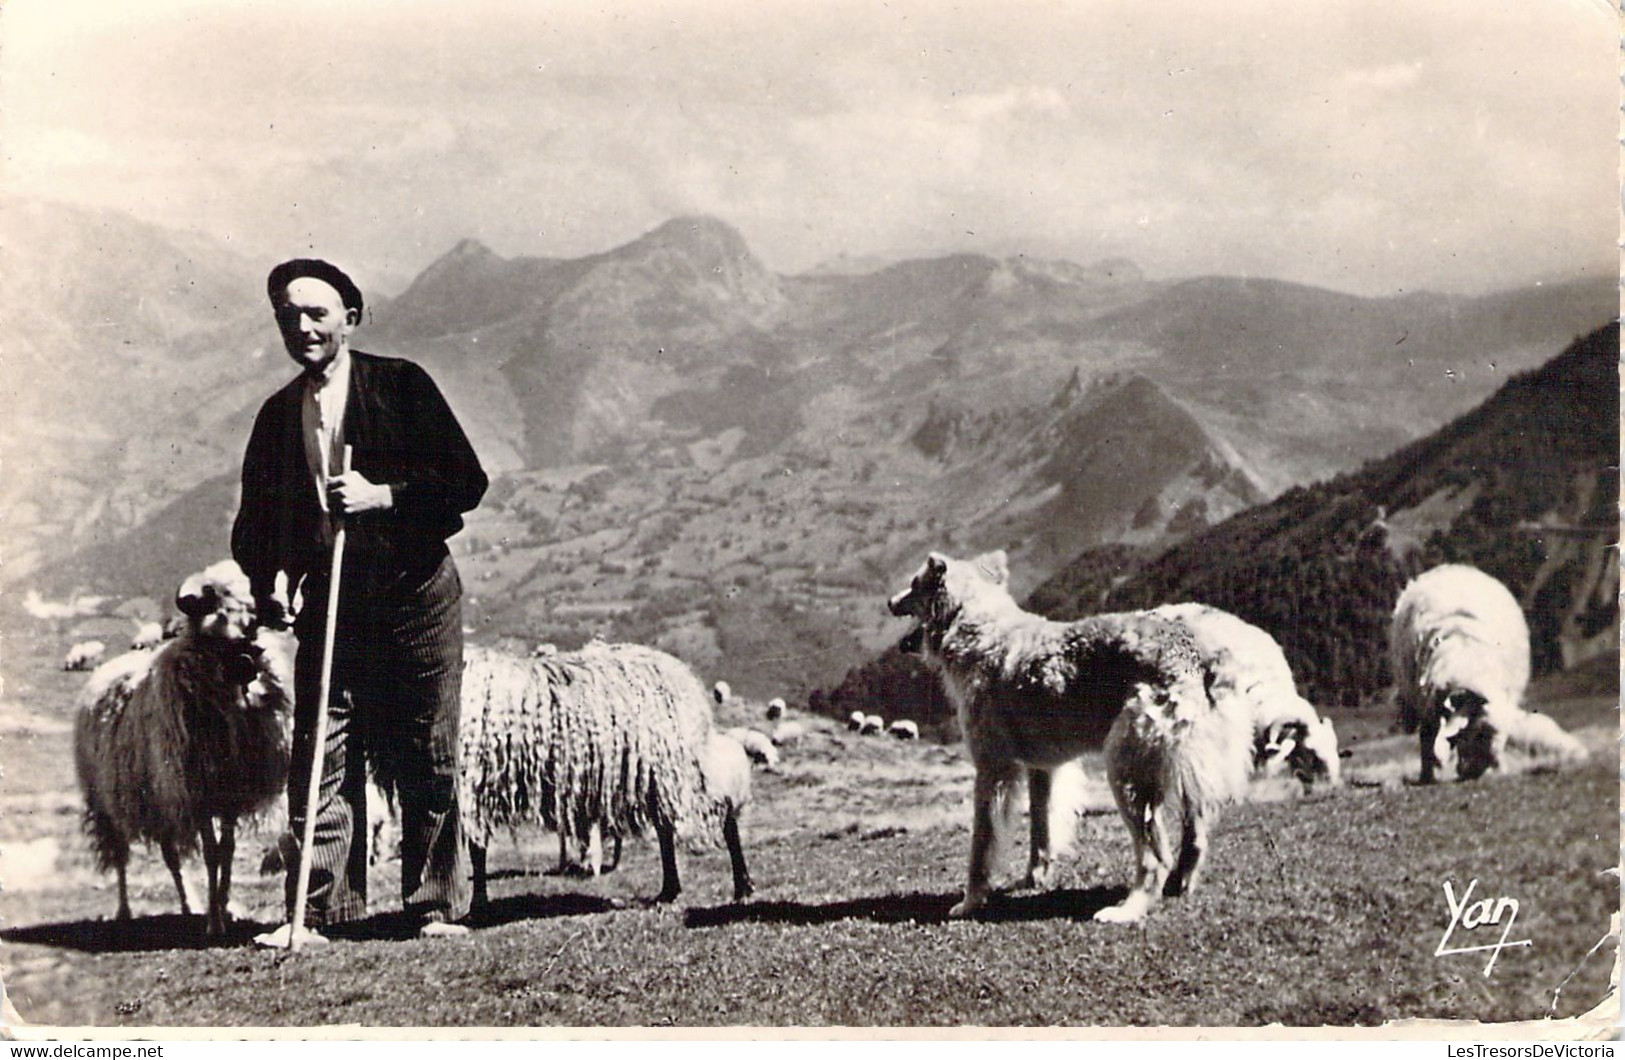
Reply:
x=1245, y=661
x=147, y=635
x=775, y=709
x=758, y=746
x=615, y=736
x=1459, y=647
x=904, y=729
x=788, y=733
x=854, y=721
x=168, y=741
x=84, y=655
x=721, y=693
x=873, y=725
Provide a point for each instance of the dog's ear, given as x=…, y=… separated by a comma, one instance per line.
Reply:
x=197, y=596
x=936, y=563
x=996, y=565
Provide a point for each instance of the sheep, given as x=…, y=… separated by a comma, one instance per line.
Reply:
x=721, y=693
x=758, y=746
x=873, y=725
x=775, y=709
x=166, y=741
x=1459, y=647
x=788, y=733
x=84, y=655
x=854, y=721
x=616, y=736
x=903, y=729
x=1243, y=660
x=147, y=635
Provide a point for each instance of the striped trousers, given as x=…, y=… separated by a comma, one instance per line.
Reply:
x=396, y=699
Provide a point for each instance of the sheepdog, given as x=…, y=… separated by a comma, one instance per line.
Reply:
x=1032, y=695
x=168, y=741
x=1459, y=647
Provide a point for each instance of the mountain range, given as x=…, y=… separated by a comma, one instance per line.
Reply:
x=692, y=450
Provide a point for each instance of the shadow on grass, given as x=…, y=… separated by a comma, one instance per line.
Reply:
x=167, y=931
x=507, y=910
x=1071, y=904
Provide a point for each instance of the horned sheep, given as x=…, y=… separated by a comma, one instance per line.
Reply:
x=168, y=741
x=615, y=736
x=1459, y=648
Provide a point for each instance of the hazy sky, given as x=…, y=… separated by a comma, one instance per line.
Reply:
x=1369, y=146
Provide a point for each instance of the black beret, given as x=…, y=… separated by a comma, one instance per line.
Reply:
x=316, y=269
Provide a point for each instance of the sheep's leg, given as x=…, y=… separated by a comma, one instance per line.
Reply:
x=670, y=887
x=990, y=790
x=476, y=857
x=1040, y=872
x=595, y=850
x=228, y=851
x=615, y=861
x=123, y=892
x=1428, y=735
x=564, y=852
x=736, y=856
x=172, y=861
x=213, y=923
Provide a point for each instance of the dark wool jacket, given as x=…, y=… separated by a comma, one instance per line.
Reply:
x=403, y=434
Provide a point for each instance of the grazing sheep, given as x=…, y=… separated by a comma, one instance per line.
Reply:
x=147, y=635
x=167, y=741
x=1459, y=646
x=904, y=730
x=615, y=736
x=721, y=693
x=1245, y=661
x=855, y=720
x=84, y=655
x=758, y=746
x=873, y=725
x=775, y=709
x=788, y=733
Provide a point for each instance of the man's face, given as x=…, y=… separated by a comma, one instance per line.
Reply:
x=314, y=323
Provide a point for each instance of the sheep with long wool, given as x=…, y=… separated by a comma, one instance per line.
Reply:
x=168, y=742
x=1459, y=648
x=1245, y=661
x=615, y=736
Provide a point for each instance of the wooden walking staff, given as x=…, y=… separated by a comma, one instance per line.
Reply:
x=318, y=750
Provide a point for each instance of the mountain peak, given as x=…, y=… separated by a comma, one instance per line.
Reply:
x=697, y=233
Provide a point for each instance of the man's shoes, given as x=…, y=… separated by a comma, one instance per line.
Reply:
x=278, y=939
x=442, y=929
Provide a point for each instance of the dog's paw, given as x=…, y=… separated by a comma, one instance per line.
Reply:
x=966, y=907
x=1129, y=911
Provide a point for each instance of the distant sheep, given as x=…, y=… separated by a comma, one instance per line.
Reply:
x=758, y=746
x=873, y=725
x=84, y=655
x=147, y=635
x=167, y=741
x=614, y=736
x=1459, y=647
x=904, y=729
x=721, y=692
x=788, y=733
x=1245, y=661
x=855, y=720
x=775, y=709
